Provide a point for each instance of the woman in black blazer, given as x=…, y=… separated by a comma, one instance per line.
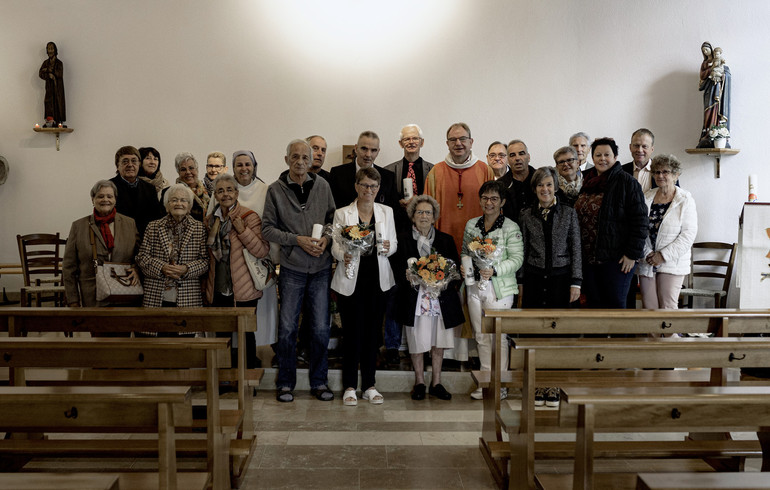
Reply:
x=430, y=326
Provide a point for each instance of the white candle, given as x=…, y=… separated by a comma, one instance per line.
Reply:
x=468, y=269
x=408, y=191
x=317, y=231
x=753, y=188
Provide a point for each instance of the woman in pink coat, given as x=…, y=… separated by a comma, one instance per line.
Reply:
x=231, y=228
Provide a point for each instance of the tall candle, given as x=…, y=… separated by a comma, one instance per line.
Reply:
x=408, y=190
x=753, y=188
x=317, y=231
x=378, y=229
x=468, y=269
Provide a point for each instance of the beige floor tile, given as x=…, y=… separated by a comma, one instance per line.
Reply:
x=477, y=478
x=423, y=479
x=330, y=457
x=354, y=439
x=433, y=416
x=450, y=438
x=309, y=479
x=420, y=426
x=269, y=438
x=320, y=425
x=435, y=457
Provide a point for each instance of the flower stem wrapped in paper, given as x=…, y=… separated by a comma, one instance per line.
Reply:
x=485, y=253
x=431, y=274
x=354, y=239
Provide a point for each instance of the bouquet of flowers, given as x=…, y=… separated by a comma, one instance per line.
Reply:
x=433, y=273
x=485, y=253
x=353, y=239
x=719, y=131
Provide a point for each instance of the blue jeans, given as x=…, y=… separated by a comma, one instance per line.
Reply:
x=605, y=285
x=392, y=327
x=292, y=288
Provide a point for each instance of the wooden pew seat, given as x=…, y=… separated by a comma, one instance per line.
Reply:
x=704, y=481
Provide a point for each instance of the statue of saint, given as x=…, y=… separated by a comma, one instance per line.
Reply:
x=715, y=84
x=52, y=71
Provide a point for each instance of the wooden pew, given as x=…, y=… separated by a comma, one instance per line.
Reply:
x=703, y=481
x=146, y=354
x=242, y=321
x=550, y=323
x=664, y=410
x=102, y=410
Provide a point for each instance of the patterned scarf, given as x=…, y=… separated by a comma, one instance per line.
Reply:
x=571, y=189
x=104, y=227
x=200, y=194
x=158, y=181
x=218, y=240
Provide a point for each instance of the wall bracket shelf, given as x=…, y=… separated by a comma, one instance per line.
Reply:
x=713, y=152
x=55, y=131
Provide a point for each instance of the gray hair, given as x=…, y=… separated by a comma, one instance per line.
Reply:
x=103, y=183
x=315, y=136
x=176, y=189
x=412, y=206
x=564, y=150
x=670, y=161
x=302, y=142
x=183, y=157
x=401, y=133
x=580, y=134
x=459, y=125
x=543, y=173
x=513, y=142
x=225, y=178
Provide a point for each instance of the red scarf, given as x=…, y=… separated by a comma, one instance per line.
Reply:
x=104, y=226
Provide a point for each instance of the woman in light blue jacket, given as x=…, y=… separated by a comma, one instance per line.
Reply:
x=501, y=276
x=361, y=299
x=668, y=247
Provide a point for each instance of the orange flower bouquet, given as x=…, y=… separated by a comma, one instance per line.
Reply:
x=432, y=273
x=353, y=239
x=485, y=253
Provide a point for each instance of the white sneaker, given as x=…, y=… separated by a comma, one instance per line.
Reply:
x=477, y=394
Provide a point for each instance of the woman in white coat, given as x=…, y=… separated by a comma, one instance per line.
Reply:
x=672, y=230
x=361, y=299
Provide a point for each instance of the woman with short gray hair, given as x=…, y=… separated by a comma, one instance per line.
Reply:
x=187, y=168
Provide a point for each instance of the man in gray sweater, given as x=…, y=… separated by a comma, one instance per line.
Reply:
x=294, y=203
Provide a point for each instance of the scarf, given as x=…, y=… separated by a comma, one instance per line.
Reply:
x=104, y=227
x=218, y=240
x=544, y=212
x=177, y=230
x=571, y=189
x=200, y=194
x=424, y=243
x=595, y=183
x=158, y=181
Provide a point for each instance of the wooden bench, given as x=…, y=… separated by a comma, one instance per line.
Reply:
x=242, y=321
x=703, y=481
x=118, y=355
x=104, y=409
x=668, y=409
x=550, y=323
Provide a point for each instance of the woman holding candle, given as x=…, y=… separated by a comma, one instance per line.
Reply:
x=361, y=302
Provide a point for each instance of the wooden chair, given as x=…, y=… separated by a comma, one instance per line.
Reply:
x=41, y=264
x=709, y=268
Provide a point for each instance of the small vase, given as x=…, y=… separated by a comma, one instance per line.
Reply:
x=720, y=142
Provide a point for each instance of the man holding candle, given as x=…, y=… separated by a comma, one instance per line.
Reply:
x=296, y=202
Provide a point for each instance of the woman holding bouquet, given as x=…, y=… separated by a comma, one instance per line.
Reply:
x=430, y=326
x=360, y=298
x=495, y=284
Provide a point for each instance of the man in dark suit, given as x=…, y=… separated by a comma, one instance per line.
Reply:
x=642, y=141
x=318, y=144
x=411, y=141
x=342, y=178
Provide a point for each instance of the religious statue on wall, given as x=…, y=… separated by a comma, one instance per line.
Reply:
x=715, y=80
x=52, y=71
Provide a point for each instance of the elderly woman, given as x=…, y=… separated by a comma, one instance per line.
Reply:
x=431, y=329
x=149, y=171
x=231, y=229
x=613, y=227
x=173, y=255
x=112, y=236
x=187, y=168
x=361, y=300
x=500, y=276
x=672, y=229
x=135, y=198
x=570, y=178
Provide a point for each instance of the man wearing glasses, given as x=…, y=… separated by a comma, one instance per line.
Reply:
x=216, y=163
x=412, y=165
x=135, y=198
x=497, y=159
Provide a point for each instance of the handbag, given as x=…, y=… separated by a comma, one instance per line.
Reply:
x=112, y=280
x=262, y=271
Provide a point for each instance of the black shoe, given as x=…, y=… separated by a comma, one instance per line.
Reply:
x=322, y=393
x=540, y=397
x=552, y=397
x=284, y=395
x=418, y=392
x=440, y=392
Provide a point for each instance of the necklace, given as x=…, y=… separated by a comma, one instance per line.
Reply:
x=460, y=188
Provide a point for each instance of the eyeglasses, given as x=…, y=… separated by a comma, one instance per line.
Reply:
x=461, y=139
x=369, y=187
x=493, y=199
x=413, y=139
x=126, y=161
x=208, y=165
x=661, y=172
x=567, y=161
x=424, y=212
x=497, y=155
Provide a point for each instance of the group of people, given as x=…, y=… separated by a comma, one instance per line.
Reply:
x=558, y=236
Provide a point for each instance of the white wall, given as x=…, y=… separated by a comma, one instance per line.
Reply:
x=200, y=76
